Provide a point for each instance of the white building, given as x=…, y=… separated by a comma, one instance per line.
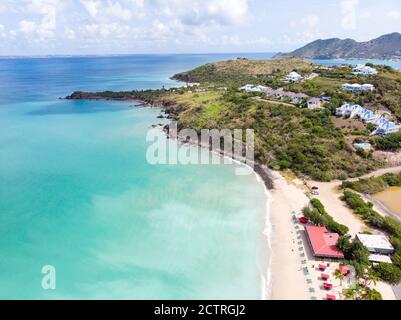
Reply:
x=358, y=88
x=379, y=258
x=364, y=70
x=314, y=103
x=293, y=77
x=251, y=88
x=376, y=243
x=367, y=87
x=383, y=126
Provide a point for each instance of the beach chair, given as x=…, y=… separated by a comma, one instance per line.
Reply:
x=328, y=286
x=325, y=276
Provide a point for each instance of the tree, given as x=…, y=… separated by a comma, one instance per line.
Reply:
x=369, y=277
x=339, y=275
x=358, y=292
x=370, y=294
x=352, y=293
x=388, y=272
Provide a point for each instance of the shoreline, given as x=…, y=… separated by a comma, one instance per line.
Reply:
x=382, y=207
x=282, y=263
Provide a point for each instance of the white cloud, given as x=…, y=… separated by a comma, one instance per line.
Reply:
x=311, y=20
x=105, y=30
x=3, y=33
x=394, y=14
x=47, y=10
x=91, y=6
x=108, y=11
x=365, y=14
x=235, y=40
x=69, y=34
x=26, y=26
x=206, y=12
x=349, y=11
x=3, y=8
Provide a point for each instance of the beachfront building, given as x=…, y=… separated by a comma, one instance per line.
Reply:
x=358, y=88
x=323, y=243
x=376, y=243
x=315, y=103
x=364, y=70
x=293, y=77
x=383, y=125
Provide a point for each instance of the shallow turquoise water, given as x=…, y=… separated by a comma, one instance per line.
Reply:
x=77, y=193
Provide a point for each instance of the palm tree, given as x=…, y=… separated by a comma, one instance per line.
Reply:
x=357, y=292
x=339, y=276
x=370, y=277
x=353, y=293
x=371, y=294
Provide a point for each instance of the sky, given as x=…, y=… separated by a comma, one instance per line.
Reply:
x=64, y=27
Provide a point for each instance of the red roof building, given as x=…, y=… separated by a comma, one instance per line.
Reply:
x=323, y=242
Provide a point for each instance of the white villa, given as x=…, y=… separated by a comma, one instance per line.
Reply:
x=364, y=70
x=251, y=88
x=314, y=103
x=383, y=125
x=293, y=77
x=358, y=88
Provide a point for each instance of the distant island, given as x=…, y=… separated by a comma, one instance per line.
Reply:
x=385, y=47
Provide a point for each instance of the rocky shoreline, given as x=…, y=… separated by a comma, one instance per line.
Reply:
x=262, y=170
x=171, y=111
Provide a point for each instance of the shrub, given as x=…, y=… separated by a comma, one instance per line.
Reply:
x=319, y=216
x=388, y=272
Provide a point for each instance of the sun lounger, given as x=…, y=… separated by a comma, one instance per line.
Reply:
x=328, y=286
x=325, y=276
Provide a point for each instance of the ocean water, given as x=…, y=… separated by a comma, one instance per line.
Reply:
x=77, y=193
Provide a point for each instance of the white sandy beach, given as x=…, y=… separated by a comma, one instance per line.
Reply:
x=288, y=279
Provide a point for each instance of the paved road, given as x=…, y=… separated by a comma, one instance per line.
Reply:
x=397, y=291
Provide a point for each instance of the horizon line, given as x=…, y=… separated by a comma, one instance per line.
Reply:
x=130, y=54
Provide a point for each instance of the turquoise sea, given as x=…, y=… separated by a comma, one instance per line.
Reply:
x=77, y=193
